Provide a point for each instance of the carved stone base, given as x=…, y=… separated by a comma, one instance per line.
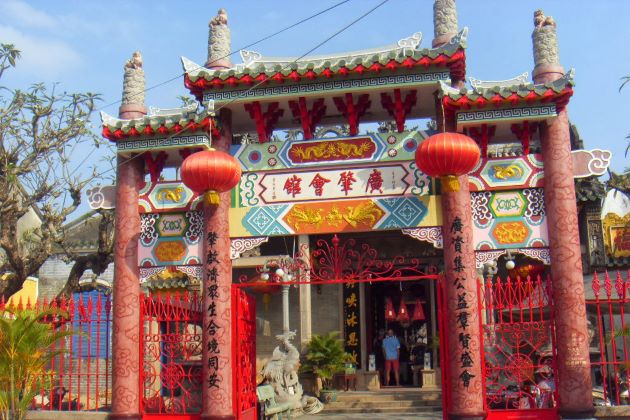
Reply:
x=547, y=72
x=442, y=39
x=131, y=111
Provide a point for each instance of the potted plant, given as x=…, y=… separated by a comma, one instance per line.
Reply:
x=325, y=356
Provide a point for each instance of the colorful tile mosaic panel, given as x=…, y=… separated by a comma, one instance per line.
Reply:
x=402, y=212
x=507, y=173
x=509, y=219
x=266, y=220
x=168, y=239
x=166, y=197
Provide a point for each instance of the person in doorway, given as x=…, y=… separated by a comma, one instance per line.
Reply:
x=391, y=351
x=377, y=348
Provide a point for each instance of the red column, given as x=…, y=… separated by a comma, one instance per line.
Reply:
x=217, y=319
x=574, y=373
x=126, y=305
x=462, y=308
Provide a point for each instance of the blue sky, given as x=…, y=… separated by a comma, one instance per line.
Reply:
x=84, y=44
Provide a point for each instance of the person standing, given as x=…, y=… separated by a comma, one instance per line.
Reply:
x=391, y=351
x=378, y=355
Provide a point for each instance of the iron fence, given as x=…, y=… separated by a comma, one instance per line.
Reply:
x=607, y=306
x=78, y=377
x=518, y=339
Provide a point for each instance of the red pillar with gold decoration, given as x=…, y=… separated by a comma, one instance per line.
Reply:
x=213, y=173
x=451, y=156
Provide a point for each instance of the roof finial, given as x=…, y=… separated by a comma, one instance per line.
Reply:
x=444, y=21
x=546, y=55
x=219, y=41
x=132, y=104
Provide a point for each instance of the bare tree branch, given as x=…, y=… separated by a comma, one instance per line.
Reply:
x=40, y=127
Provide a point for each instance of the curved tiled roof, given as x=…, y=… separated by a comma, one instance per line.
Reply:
x=256, y=68
x=589, y=189
x=167, y=121
x=512, y=92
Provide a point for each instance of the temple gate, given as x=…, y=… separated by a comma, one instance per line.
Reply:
x=517, y=200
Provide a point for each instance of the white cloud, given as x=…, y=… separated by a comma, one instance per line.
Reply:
x=20, y=13
x=43, y=57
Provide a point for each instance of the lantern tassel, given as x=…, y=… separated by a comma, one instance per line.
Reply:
x=212, y=198
x=450, y=183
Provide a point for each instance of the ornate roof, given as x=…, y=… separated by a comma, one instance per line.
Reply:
x=158, y=121
x=256, y=68
x=507, y=92
x=589, y=189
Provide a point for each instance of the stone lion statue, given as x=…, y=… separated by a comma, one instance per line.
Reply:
x=220, y=19
x=541, y=20
x=135, y=62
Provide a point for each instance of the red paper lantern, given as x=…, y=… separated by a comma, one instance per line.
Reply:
x=527, y=270
x=390, y=313
x=210, y=172
x=418, y=312
x=448, y=155
x=403, y=313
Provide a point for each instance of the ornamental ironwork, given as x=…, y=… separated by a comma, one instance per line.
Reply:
x=338, y=261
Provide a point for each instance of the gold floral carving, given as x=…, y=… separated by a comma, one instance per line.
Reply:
x=616, y=234
x=506, y=172
x=510, y=232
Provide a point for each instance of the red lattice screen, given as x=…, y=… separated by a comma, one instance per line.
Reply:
x=519, y=360
x=171, y=350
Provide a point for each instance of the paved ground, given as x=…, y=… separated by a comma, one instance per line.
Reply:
x=369, y=416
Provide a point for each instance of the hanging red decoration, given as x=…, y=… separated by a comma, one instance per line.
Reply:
x=403, y=313
x=523, y=271
x=210, y=172
x=447, y=155
x=390, y=313
x=418, y=312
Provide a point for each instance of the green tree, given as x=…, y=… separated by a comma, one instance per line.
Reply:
x=40, y=130
x=27, y=340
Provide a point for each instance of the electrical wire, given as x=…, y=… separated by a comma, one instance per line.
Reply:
x=265, y=38
x=241, y=94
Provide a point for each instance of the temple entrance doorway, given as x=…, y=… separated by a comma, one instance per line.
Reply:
x=408, y=309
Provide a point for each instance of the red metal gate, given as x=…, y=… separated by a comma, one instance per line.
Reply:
x=171, y=351
x=518, y=351
x=244, y=354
